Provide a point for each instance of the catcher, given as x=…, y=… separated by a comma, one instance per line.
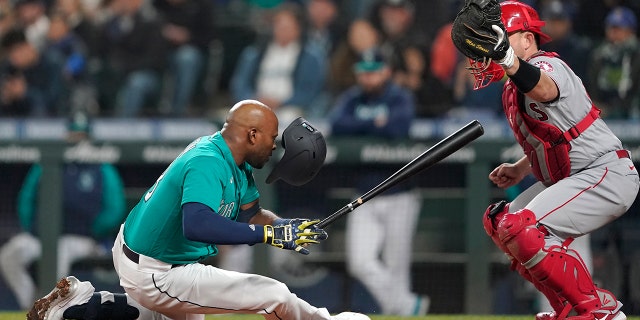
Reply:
x=586, y=179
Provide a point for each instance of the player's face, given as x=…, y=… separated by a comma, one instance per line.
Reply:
x=265, y=144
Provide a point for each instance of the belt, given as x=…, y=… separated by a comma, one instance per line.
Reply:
x=134, y=257
x=623, y=154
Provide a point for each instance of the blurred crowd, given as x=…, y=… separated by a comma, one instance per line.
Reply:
x=184, y=58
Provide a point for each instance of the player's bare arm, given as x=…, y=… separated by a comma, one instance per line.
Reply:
x=509, y=174
x=262, y=216
x=524, y=45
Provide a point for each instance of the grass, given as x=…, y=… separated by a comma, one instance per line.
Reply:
x=21, y=316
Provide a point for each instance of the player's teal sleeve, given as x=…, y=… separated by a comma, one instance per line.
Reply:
x=203, y=182
x=27, y=197
x=113, y=203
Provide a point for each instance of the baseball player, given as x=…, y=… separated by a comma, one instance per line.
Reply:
x=585, y=177
x=208, y=196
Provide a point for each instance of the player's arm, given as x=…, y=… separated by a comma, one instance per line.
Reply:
x=200, y=223
x=253, y=213
x=534, y=83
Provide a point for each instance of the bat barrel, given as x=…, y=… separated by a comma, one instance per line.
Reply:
x=433, y=155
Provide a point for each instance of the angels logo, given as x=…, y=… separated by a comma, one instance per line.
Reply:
x=544, y=66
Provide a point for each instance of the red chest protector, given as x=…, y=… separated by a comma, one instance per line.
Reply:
x=545, y=145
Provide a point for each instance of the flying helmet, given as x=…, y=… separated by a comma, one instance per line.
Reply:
x=304, y=152
x=516, y=16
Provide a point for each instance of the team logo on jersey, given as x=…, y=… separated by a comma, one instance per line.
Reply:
x=544, y=66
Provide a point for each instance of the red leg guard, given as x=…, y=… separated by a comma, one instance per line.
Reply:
x=557, y=269
x=492, y=216
x=557, y=303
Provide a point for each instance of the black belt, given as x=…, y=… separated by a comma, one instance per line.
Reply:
x=134, y=257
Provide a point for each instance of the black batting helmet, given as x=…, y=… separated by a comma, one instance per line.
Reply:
x=304, y=153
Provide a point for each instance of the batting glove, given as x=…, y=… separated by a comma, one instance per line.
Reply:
x=293, y=234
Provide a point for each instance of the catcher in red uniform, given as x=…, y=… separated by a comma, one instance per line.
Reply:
x=585, y=177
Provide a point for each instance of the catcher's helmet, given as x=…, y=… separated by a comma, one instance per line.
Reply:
x=518, y=16
x=304, y=153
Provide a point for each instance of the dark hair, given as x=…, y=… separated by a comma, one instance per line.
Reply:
x=13, y=37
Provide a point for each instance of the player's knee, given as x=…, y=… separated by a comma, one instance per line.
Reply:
x=280, y=295
x=492, y=215
x=518, y=233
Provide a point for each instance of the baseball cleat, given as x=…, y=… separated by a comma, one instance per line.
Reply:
x=68, y=292
x=350, y=316
x=552, y=316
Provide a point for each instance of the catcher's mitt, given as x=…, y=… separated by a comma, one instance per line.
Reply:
x=478, y=32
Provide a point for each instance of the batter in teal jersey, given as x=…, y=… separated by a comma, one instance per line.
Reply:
x=206, y=197
x=204, y=173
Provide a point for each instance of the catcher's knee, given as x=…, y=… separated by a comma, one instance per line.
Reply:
x=518, y=233
x=490, y=219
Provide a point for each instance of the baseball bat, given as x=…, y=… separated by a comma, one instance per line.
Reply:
x=433, y=155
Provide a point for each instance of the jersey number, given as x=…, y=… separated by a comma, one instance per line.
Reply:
x=149, y=193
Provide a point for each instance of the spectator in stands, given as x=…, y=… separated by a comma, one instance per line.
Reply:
x=7, y=16
x=82, y=23
x=285, y=73
x=442, y=73
x=31, y=16
x=403, y=42
x=361, y=36
x=572, y=48
x=614, y=73
x=135, y=53
x=379, y=244
x=93, y=208
x=71, y=53
x=324, y=29
x=188, y=26
x=31, y=82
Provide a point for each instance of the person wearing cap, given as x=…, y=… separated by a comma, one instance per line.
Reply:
x=614, y=73
x=379, y=242
x=93, y=207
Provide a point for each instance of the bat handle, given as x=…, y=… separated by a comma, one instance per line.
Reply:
x=344, y=210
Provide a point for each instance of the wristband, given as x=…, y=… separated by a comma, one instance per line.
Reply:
x=527, y=76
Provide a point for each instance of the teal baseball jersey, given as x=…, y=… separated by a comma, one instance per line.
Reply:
x=204, y=172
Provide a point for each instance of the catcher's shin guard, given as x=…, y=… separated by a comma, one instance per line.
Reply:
x=558, y=268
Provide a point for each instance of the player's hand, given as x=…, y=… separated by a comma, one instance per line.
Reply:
x=506, y=175
x=294, y=234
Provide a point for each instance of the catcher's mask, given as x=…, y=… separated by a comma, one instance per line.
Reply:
x=485, y=72
x=304, y=153
x=516, y=16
